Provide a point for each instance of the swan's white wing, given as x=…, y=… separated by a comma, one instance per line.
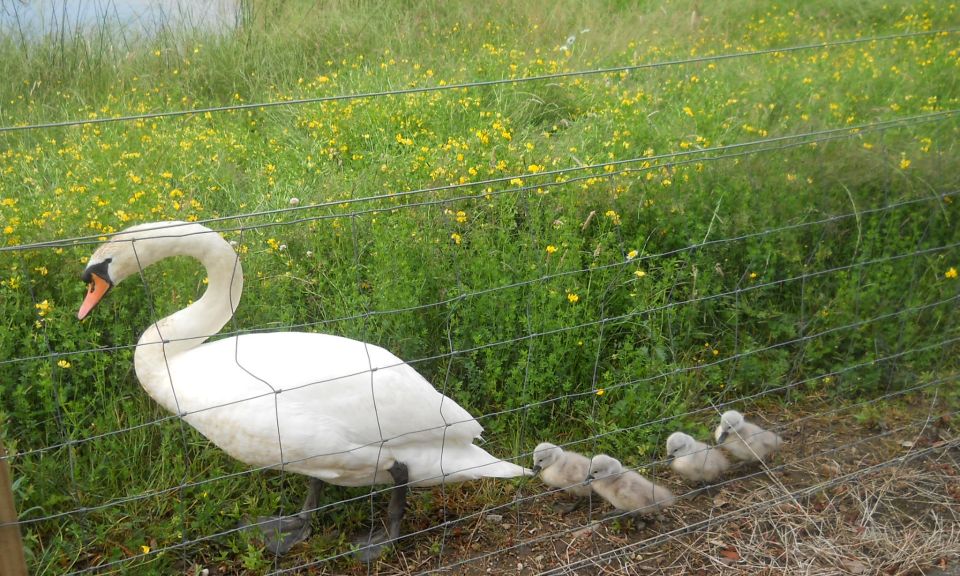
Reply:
x=315, y=397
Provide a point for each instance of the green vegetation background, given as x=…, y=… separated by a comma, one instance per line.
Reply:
x=603, y=299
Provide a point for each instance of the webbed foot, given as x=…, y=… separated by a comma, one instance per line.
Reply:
x=371, y=546
x=565, y=509
x=281, y=533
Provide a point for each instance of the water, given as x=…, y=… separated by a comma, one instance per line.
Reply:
x=33, y=19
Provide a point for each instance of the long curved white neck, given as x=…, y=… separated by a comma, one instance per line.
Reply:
x=191, y=326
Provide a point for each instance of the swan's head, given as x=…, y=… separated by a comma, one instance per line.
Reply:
x=729, y=421
x=544, y=455
x=602, y=466
x=123, y=255
x=678, y=444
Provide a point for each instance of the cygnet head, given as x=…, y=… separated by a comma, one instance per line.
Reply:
x=729, y=421
x=544, y=455
x=602, y=466
x=678, y=444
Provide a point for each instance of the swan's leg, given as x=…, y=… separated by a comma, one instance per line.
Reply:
x=615, y=513
x=624, y=517
x=705, y=488
x=370, y=549
x=568, y=508
x=282, y=533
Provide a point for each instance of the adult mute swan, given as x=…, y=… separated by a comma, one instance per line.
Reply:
x=334, y=409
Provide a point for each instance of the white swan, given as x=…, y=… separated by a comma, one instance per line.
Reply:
x=334, y=409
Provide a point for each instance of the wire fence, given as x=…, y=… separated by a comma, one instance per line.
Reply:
x=635, y=387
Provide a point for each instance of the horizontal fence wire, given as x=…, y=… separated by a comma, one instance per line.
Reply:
x=547, y=277
x=930, y=383
x=482, y=83
x=667, y=160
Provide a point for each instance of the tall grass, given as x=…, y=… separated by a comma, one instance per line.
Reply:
x=578, y=305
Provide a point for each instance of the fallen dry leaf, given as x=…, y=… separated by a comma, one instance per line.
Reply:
x=730, y=554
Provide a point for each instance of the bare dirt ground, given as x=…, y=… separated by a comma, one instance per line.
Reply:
x=878, y=495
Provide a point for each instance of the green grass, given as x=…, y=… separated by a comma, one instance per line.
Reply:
x=692, y=314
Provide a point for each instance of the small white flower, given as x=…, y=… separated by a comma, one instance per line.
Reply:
x=282, y=247
x=294, y=201
x=309, y=253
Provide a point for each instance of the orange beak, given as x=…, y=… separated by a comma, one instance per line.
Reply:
x=98, y=288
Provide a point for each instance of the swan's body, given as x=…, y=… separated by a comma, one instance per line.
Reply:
x=325, y=417
x=695, y=461
x=342, y=411
x=626, y=490
x=745, y=440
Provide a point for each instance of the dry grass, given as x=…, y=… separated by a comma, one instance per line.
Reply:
x=891, y=520
x=886, y=503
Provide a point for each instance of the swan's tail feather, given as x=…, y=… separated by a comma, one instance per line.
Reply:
x=503, y=469
x=473, y=462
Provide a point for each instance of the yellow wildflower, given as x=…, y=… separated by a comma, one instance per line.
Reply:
x=600, y=391
x=456, y=238
x=145, y=549
x=631, y=254
x=551, y=249
x=461, y=216
x=573, y=298
x=43, y=308
x=951, y=273
x=904, y=163
x=63, y=364
x=639, y=273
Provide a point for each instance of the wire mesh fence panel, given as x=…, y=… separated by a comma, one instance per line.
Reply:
x=598, y=305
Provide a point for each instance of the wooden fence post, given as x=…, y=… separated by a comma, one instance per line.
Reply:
x=12, y=562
